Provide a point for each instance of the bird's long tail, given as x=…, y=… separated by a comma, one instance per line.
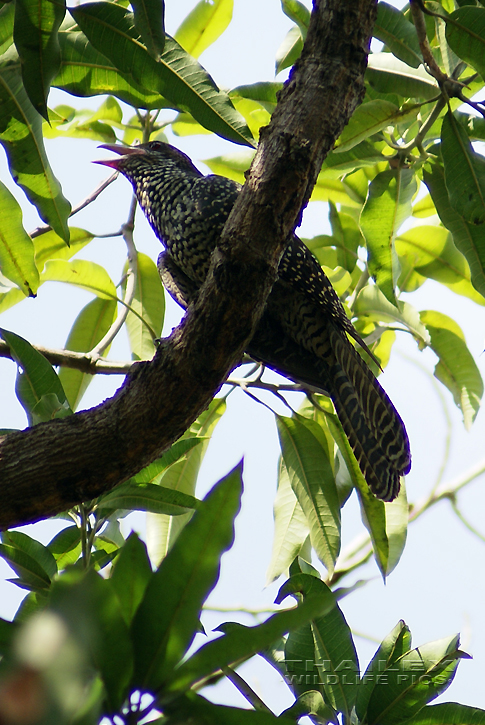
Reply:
x=373, y=426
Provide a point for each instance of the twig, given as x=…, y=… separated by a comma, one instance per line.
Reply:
x=77, y=360
x=464, y=521
x=130, y=288
x=88, y=200
x=245, y=690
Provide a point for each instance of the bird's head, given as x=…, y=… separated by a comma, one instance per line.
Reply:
x=154, y=154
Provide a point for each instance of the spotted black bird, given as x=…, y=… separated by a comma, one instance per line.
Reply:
x=304, y=331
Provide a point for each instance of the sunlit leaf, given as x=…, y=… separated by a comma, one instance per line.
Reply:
x=203, y=25
x=289, y=50
x=431, y=252
x=35, y=35
x=291, y=528
x=388, y=74
x=388, y=204
x=16, y=249
x=162, y=531
x=148, y=497
x=81, y=273
x=36, y=380
x=90, y=326
x=306, y=458
x=85, y=72
x=21, y=137
x=368, y=119
x=372, y=303
x=456, y=367
x=149, y=303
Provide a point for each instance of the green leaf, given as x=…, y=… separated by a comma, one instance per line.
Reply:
x=347, y=237
x=89, y=606
x=289, y=50
x=21, y=137
x=154, y=472
x=195, y=708
x=264, y=92
x=88, y=275
x=311, y=703
x=163, y=530
x=467, y=237
x=337, y=659
x=148, y=497
x=67, y=122
x=149, y=21
x=7, y=14
x=333, y=654
x=149, y=303
x=31, y=574
x=85, y=72
x=430, y=251
x=37, y=379
x=16, y=249
x=33, y=548
x=307, y=460
x=464, y=171
x=35, y=36
x=368, y=119
x=241, y=642
x=451, y=713
x=371, y=303
x=8, y=631
x=385, y=522
x=66, y=546
x=387, y=206
x=177, y=76
x=203, y=25
x=291, y=528
x=456, y=369
x=183, y=581
x=130, y=575
x=398, y=34
x=297, y=12
x=413, y=680
x=392, y=647
x=388, y=74
x=49, y=245
x=362, y=155
x=465, y=33
x=90, y=326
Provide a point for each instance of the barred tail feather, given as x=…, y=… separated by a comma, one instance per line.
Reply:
x=375, y=430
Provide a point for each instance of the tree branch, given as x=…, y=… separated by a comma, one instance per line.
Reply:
x=55, y=465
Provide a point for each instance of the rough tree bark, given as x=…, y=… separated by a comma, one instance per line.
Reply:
x=53, y=466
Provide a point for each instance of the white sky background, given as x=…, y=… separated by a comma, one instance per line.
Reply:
x=438, y=586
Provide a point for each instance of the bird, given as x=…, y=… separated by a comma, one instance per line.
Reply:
x=304, y=331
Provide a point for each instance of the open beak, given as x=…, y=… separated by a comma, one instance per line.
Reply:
x=121, y=150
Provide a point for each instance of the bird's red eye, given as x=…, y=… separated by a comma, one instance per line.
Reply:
x=156, y=146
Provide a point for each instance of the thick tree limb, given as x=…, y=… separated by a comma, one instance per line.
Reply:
x=53, y=466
